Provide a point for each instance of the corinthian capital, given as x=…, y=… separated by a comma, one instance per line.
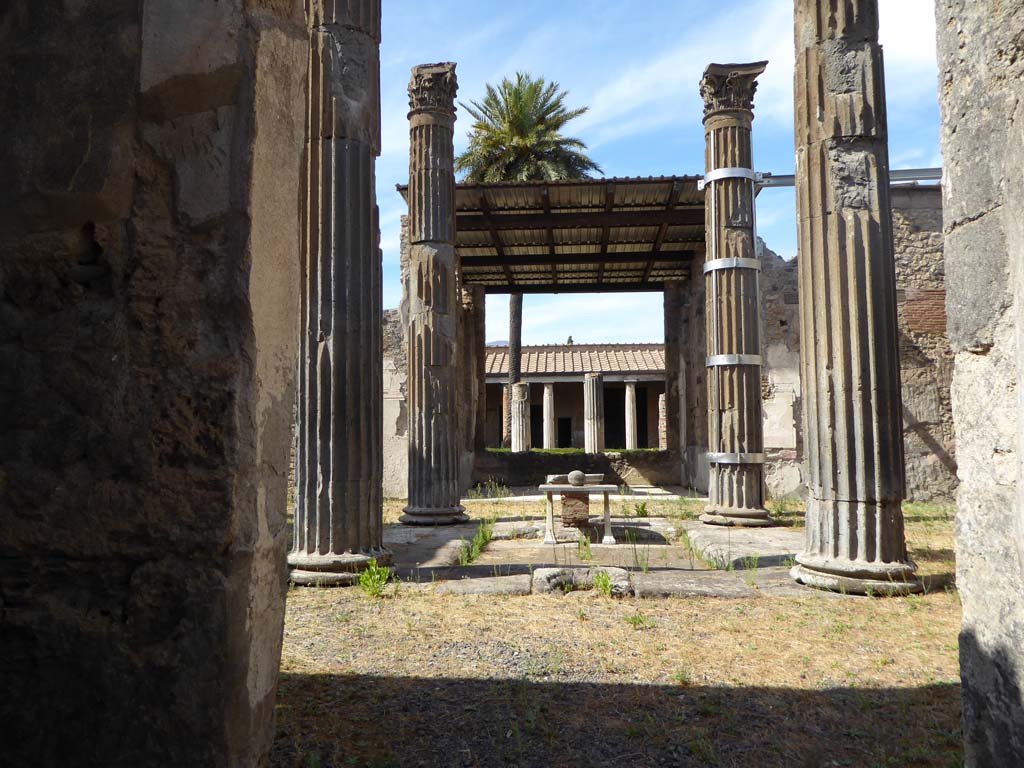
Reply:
x=730, y=86
x=433, y=88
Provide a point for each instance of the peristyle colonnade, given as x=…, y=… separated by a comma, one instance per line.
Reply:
x=850, y=364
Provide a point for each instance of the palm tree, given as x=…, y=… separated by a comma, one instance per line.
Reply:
x=517, y=136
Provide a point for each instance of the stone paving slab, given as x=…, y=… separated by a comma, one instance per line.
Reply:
x=776, y=582
x=488, y=585
x=653, y=563
x=678, y=583
x=548, y=580
x=725, y=545
x=427, y=546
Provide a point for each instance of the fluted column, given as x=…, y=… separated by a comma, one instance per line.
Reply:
x=434, y=308
x=520, y=418
x=550, y=433
x=339, y=513
x=732, y=272
x=593, y=413
x=631, y=430
x=848, y=332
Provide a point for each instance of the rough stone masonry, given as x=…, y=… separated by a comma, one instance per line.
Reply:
x=981, y=91
x=148, y=317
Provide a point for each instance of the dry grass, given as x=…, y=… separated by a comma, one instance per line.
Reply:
x=421, y=679
x=432, y=680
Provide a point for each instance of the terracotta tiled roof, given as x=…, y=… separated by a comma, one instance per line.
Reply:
x=581, y=359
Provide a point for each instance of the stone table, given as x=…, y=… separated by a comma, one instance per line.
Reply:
x=550, y=489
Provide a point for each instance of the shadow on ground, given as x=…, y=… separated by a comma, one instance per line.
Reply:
x=329, y=721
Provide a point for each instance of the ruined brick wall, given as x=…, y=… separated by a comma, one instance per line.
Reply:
x=926, y=360
x=780, y=376
x=396, y=376
x=981, y=92
x=148, y=314
x=925, y=354
x=693, y=381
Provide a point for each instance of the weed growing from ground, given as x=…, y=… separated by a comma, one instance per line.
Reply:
x=491, y=489
x=585, y=552
x=484, y=534
x=603, y=583
x=374, y=579
x=683, y=677
x=641, y=509
x=639, y=621
x=749, y=566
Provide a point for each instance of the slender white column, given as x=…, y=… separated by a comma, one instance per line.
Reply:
x=631, y=429
x=550, y=435
x=520, y=417
x=593, y=413
x=662, y=426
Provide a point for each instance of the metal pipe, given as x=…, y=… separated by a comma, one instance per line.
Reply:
x=895, y=176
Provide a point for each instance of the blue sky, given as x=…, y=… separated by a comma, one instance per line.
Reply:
x=637, y=64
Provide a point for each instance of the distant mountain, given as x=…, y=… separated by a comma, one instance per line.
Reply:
x=503, y=343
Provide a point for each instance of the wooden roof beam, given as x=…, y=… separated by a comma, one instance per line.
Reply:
x=495, y=236
x=673, y=201
x=609, y=204
x=689, y=216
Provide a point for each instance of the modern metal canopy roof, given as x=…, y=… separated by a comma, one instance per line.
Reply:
x=592, y=235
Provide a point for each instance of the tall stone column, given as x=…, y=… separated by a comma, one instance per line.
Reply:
x=593, y=413
x=339, y=513
x=433, y=309
x=469, y=369
x=848, y=333
x=673, y=303
x=732, y=283
x=550, y=433
x=631, y=430
x=520, y=418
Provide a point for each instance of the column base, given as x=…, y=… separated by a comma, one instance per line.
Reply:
x=741, y=518
x=853, y=578
x=312, y=570
x=434, y=516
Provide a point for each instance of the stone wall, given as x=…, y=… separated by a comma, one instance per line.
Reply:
x=396, y=414
x=780, y=376
x=148, y=313
x=396, y=377
x=693, y=432
x=633, y=468
x=925, y=355
x=981, y=92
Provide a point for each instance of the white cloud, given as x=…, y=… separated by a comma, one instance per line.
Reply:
x=660, y=88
